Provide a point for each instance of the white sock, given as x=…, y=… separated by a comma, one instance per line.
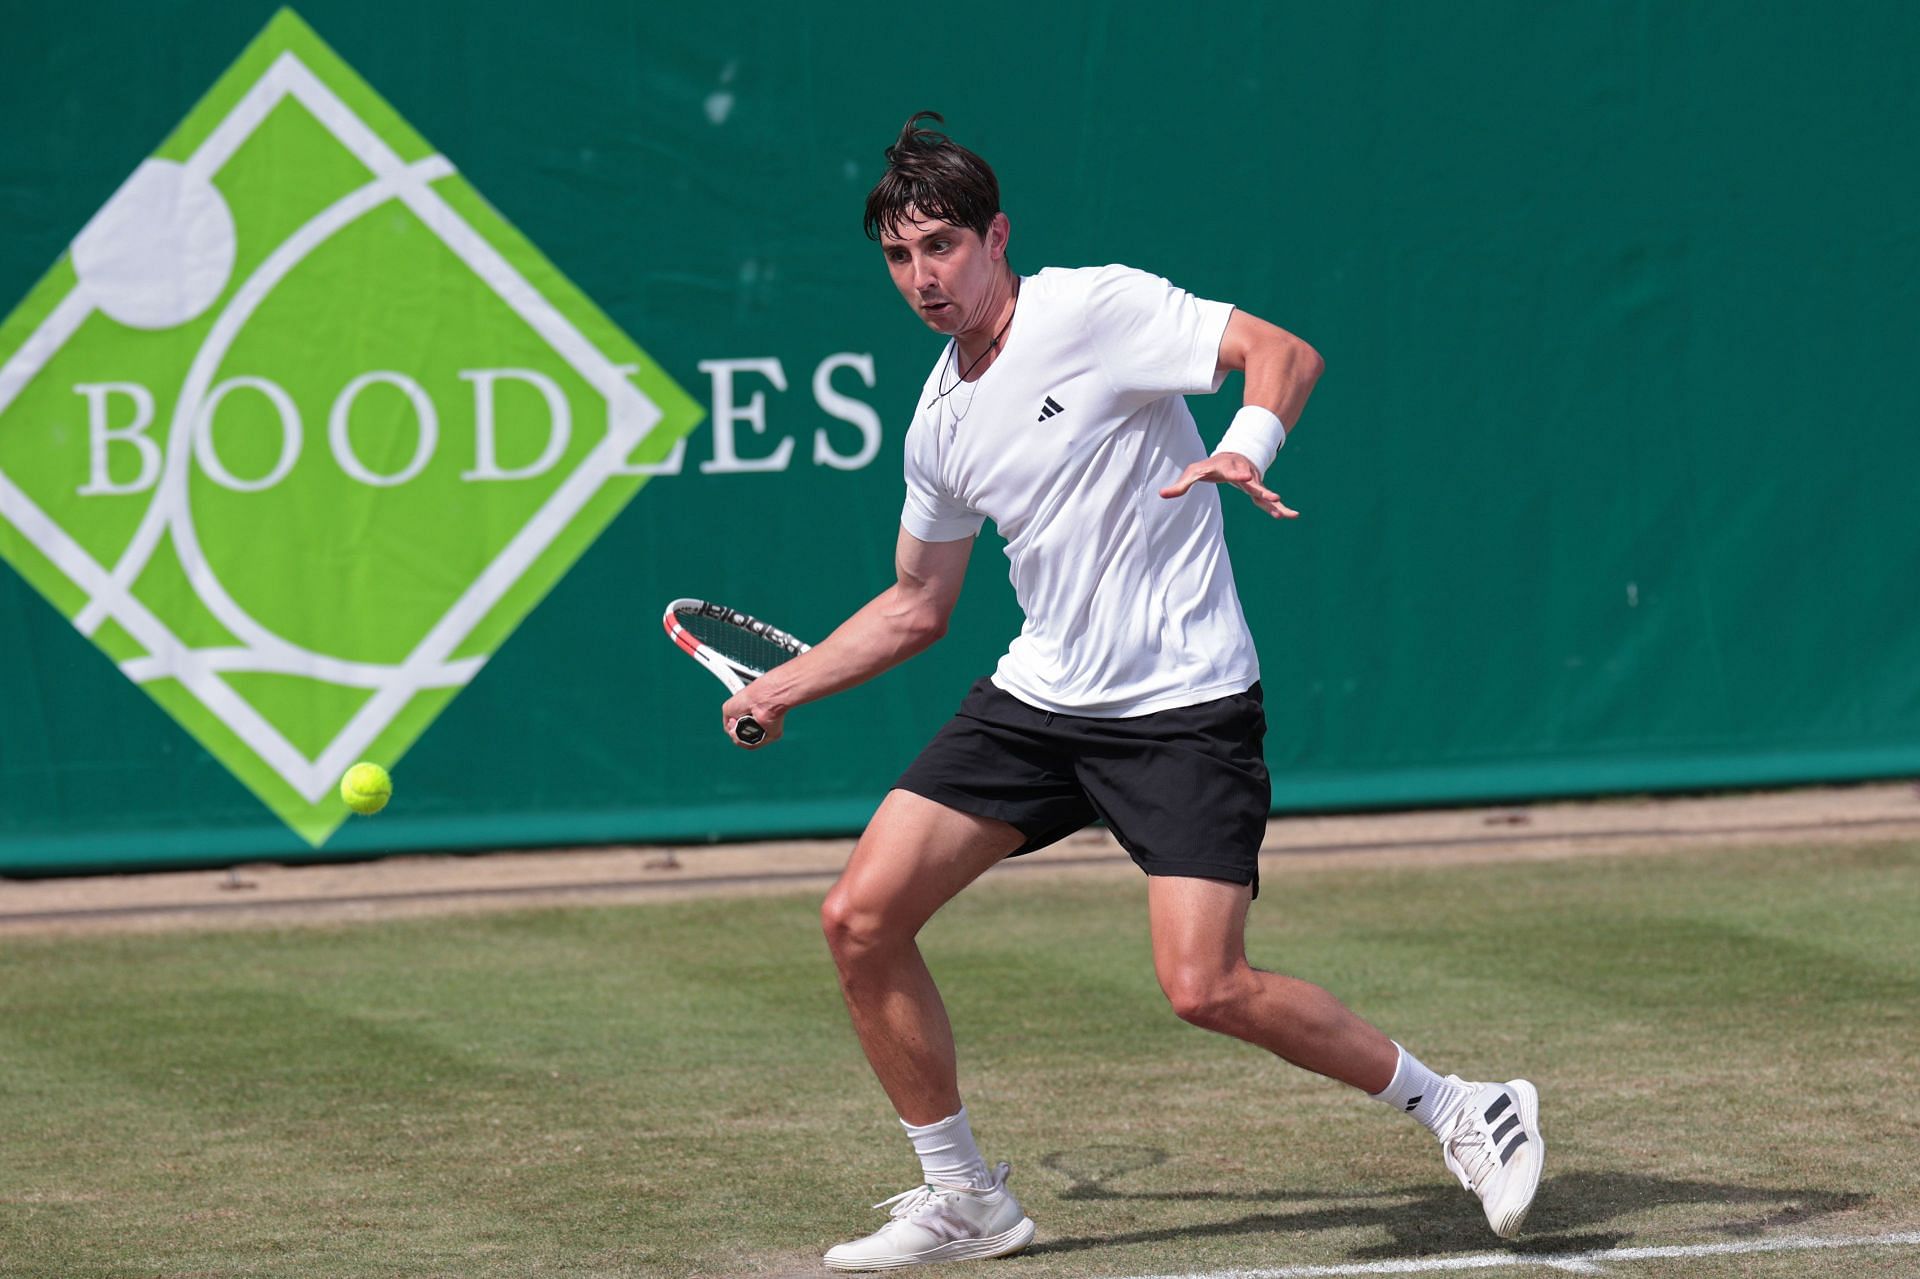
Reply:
x=1428, y=1097
x=948, y=1156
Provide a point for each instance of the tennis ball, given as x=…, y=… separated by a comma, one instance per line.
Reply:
x=366, y=788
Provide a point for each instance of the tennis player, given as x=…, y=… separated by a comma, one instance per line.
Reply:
x=1130, y=696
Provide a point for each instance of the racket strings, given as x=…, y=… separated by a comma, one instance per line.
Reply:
x=738, y=643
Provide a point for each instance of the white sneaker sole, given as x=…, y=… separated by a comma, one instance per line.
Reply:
x=1520, y=1193
x=1000, y=1245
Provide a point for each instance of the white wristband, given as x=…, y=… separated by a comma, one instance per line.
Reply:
x=1254, y=434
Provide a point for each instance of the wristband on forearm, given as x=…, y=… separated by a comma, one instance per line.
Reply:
x=1254, y=434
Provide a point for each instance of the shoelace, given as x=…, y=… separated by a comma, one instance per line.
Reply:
x=907, y=1202
x=1472, y=1149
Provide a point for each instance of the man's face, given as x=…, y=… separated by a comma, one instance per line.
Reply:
x=948, y=274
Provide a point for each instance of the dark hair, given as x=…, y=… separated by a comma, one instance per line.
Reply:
x=936, y=176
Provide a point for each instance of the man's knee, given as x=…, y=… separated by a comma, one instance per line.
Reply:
x=855, y=930
x=1205, y=996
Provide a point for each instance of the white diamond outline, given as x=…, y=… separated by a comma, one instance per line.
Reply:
x=631, y=416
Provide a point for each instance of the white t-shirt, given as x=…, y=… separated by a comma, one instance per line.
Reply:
x=1064, y=442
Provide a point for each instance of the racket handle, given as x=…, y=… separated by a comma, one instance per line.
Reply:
x=747, y=731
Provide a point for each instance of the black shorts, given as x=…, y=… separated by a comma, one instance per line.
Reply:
x=1185, y=791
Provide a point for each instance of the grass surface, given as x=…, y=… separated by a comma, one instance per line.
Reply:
x=1725, y=1046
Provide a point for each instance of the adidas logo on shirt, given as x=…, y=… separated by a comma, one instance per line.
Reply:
x=1051, y=407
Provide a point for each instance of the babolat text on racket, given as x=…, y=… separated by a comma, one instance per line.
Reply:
x=735, y=647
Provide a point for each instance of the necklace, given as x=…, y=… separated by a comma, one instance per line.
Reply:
x=965, y=373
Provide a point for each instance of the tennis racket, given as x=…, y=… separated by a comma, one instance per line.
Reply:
x=735, y=647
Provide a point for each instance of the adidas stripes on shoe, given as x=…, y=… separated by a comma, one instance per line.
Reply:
x=1493, y=1145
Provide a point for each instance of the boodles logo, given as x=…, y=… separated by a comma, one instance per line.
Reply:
x=300, y=429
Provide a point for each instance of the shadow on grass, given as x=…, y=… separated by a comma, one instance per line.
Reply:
x=1570, y=1214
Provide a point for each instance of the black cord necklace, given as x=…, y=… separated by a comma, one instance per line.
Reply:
x=946, y=390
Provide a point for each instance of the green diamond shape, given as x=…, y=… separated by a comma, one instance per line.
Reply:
x=300, y=429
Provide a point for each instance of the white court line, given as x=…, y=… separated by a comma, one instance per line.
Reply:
x=1577, y=1262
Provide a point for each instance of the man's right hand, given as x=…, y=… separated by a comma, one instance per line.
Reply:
x=771, y=719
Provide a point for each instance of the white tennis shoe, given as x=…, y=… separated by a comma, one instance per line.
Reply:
x=1493, y=1145
x=940, y=1223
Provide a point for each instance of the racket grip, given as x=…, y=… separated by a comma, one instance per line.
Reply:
x=747, y=731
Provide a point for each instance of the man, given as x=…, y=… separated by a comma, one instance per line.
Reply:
x=1129, y=696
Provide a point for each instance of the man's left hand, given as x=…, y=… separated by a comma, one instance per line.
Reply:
x=1231, y=468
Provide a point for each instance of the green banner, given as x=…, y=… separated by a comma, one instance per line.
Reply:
x=373, y=375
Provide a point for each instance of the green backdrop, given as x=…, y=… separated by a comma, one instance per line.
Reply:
x=1608, y=485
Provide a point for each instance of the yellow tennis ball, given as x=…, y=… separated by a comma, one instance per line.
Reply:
x=366, y=788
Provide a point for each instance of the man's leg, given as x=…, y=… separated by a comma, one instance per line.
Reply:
x=1489, y=1132
x=914, y=857
x=1200, y=956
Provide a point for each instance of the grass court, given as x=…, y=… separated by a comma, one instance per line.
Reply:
x=1725, y=1044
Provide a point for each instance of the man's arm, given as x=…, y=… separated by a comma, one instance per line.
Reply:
x=1281, y=370
x=902, y=620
